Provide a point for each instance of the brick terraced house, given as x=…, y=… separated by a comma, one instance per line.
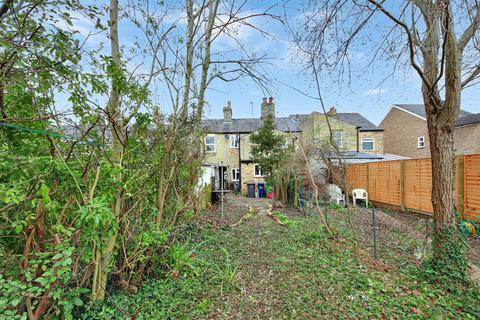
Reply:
x=228, y=146
x=406, y=133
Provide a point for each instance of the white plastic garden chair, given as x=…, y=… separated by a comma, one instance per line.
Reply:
x=336, y=194
x=360, y=194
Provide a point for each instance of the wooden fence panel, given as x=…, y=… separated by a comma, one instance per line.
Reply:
x=426, y=185
x=356, y=176
x=373, y=187
x=418, y=184
x=412, y=184
x=383, y=180
x=471, y=187
x=394, y=196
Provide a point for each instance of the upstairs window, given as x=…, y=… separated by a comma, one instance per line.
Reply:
x=257, y=170
x=210, y=143
x=421, y=142
x=368, y=144
x=337, y=137
x=235, y=174
x=233, y=141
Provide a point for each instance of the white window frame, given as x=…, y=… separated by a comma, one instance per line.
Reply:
x=214, y=144
x=233, y=141
x=372, y=140
x=260, y=170
x=341, y=137
x=421, y=142
x=235, y=172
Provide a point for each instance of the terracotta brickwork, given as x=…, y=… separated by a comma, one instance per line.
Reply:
x=401, y=132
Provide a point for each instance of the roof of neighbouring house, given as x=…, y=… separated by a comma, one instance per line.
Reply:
x=355, y=119
x=361, y=157
x=286, y=124
x=419, y=110
x=468, y=120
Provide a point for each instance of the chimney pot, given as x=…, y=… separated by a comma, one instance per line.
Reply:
x=332, y=112
x=267, y=108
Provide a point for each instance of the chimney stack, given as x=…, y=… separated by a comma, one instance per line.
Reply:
x=332, y=112
x=267, y=108
x=227, y=113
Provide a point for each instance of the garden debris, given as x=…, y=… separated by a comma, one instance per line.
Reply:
x=273, y=216
x=251, y=211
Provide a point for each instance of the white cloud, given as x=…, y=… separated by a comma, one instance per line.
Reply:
x=375, y=91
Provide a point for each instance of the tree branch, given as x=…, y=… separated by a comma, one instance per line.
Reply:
x=470, y=31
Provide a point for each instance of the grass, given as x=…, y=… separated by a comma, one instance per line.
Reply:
x=262, y=270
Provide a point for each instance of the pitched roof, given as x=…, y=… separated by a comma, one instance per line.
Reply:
x=249, y=125
x=286, y=124
x=355, y=119
x=358, y=120
x=470, y=119
x=419, y=110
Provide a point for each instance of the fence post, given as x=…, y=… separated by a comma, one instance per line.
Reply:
x=459, y=174
x=368, y=179
x=402, y=185
x=374, y=234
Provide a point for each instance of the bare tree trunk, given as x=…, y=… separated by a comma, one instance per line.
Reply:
x=103, y=254
x=213, y=7
x=448, y=253
x=189, y=62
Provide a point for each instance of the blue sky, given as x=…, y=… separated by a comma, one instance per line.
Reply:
x=365, y=93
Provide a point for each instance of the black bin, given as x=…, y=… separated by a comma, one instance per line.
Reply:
x=251, y=190
x=261, y=190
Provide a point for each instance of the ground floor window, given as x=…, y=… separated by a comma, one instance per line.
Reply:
x=257, y=170
x=235, y=174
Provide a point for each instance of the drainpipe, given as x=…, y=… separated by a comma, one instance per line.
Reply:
x=239, y=163
x=358, y=138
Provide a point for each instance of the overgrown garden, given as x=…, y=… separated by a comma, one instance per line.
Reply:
x=101, y=143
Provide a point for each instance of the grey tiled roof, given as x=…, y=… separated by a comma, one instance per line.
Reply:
x=355, y=119
x=358, y=120
x=468, y=120
x=419, y=110
x=286, y=124
x=249, y=125
x=354, y=155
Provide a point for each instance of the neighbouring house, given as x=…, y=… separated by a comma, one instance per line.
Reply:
x=406, y=133
x=227, y=143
